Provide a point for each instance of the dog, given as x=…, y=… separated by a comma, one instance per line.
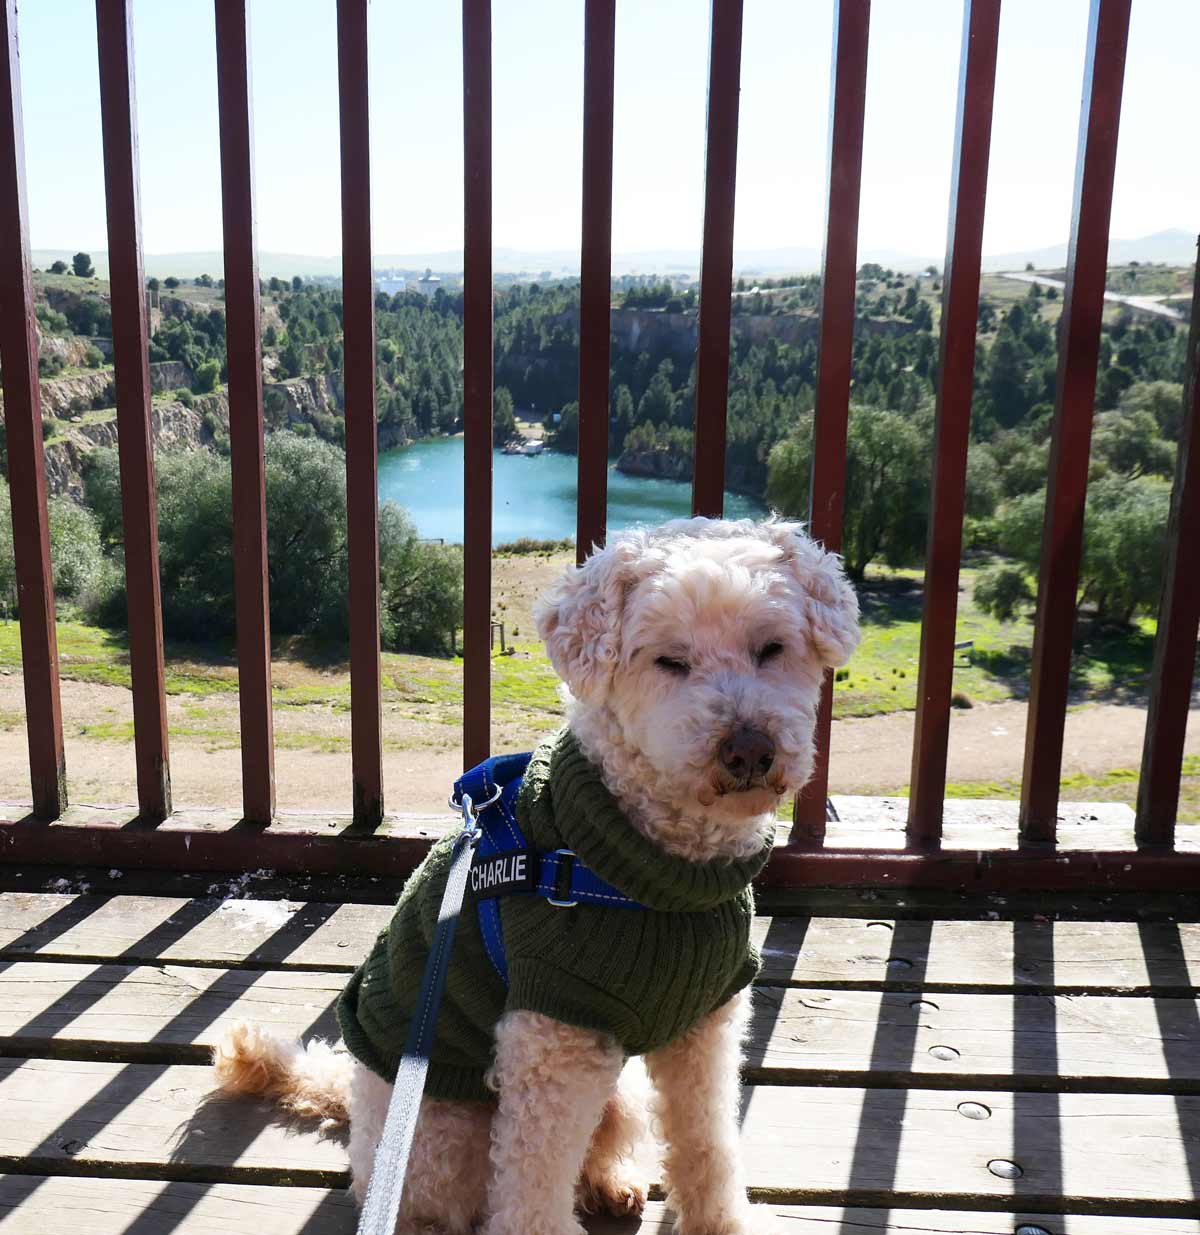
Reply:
x=693, y=656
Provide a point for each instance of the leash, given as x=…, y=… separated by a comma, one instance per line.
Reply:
x=382, y=1206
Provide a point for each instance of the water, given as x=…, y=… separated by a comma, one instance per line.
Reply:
x=532, y=497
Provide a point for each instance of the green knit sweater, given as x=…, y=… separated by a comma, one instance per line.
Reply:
x=643, y=976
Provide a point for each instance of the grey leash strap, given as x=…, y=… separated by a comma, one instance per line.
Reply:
x=382, y=1206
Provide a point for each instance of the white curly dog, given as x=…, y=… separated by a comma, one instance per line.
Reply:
x=694, y=656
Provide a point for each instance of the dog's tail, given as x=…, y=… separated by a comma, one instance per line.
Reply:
x=312, y=1081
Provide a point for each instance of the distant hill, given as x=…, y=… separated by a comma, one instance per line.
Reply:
x=1174, y=247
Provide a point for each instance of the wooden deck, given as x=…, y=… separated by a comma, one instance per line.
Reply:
x=897, y=1068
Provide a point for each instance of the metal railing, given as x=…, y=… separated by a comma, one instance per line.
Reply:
x=157, y=838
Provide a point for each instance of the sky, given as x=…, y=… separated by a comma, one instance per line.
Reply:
x=661, y=72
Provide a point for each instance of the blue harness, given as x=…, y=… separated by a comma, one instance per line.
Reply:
x=505, y=864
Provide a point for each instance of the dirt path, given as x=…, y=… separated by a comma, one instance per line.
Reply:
x=870, y=755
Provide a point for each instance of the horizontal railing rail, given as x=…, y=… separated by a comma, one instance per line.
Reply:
x=367, y=842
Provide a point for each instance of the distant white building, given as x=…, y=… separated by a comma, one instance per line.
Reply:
x=392, y=284
x=428, y=283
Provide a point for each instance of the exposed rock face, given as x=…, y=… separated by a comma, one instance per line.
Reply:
x=298, y=399
x=72, y=349
x=64, y=397
x=175, y=428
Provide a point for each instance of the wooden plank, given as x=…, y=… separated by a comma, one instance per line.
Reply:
x=150, y=1121
x=802, y=1145
x=836, y=953
x=31, y=1205
x=826, y=1220
x=1046, y=1042
x=164, y=1013
x=35, y=1204
x=174, y=1014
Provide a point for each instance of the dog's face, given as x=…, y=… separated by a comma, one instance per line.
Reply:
x=707, y=640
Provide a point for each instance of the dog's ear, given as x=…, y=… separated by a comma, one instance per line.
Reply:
x=831, y=606
x=579, y=620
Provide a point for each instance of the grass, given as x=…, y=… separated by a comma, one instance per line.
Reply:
x=881, y=678
x=1115, y=785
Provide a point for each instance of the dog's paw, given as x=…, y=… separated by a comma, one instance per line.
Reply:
x=617, y=1193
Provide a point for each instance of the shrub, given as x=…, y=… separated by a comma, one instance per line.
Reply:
x=184, y=396
x=1002, y=592
x=93, y=358
x=421, y=586
x=207, y=375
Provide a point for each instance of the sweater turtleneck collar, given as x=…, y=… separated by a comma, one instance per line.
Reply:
x=593, y=825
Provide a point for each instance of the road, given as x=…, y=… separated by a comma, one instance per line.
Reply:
x=1148, y=304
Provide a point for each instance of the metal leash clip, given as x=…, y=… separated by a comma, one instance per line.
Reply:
x=471, y=831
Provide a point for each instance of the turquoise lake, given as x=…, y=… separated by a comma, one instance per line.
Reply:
x=532, y=496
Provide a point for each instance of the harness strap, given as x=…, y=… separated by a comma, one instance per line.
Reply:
x=506, y=863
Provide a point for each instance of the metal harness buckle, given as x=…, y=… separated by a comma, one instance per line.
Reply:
x=550, y=900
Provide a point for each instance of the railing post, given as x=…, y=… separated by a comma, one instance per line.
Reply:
x=960, y=312
x=1178, y=619
x=839, y=268
x=358, y=369
x=135, y=430
x=716, y=262
x=26, y=456
x=595, y=274
x=244, y=360
x=477, y=379
x=1078, y=354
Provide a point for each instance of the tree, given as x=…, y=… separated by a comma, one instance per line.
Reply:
x=306, y=547
x=152, y=284
x=81, y=264
x=170, y=281
x=886, y=485
x=1124, y=539
x=59, y=267
x=504, y=422
x=297, y=283
x=1162, y=400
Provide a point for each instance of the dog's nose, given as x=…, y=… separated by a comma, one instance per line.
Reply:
x=747, y=753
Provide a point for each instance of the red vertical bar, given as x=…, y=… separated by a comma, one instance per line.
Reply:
x=595, y=273
x=135, y=434
x=244, y=348
x=26, y=459
x=1178, y=620
x=477, y=380
x=716, y=262
x=835, y=346
x=362, y=501
x=960, y=310
x=1079, y=349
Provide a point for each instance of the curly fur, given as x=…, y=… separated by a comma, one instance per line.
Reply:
x=710, y=595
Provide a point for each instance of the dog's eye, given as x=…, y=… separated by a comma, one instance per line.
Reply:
x=769, y=652
x=672, y=664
